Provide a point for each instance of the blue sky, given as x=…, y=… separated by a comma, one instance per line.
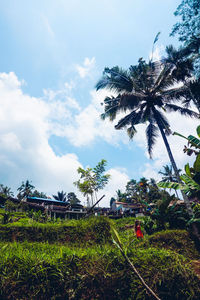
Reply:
x=52, y=54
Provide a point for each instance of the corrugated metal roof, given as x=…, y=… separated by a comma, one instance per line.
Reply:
x=46, y=199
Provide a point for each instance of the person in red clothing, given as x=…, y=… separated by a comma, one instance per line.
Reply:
x=138, y=231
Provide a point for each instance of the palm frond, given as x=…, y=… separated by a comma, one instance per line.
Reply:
x=170, y=185
x=163, y=80
x=111, y=108
x=176, y=94
x=115, y=79
x=131, y=131
x=125, y=120
x=130, y=101
x=133, y=118
x=182, y=110
x=162, y=120
x=151, y=134
x=181, y=62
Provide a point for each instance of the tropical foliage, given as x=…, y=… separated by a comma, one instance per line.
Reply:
x=191, y=179
x=144, y=92
x=92, y=180
x=142, y=191
x=25, y=189
x=188, y=29
x=5, y=191
x=168, y=174
x=61, y=196
x=72, y=198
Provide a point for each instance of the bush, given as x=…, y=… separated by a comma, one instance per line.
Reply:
x=10, y=206
x=92, y=230
x=176, y=240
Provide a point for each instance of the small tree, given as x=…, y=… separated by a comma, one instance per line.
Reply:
x=92, y=180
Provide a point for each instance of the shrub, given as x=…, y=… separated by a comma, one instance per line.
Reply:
x=176, y=240
x=92, y=230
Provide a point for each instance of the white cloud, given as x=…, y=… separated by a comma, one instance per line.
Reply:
x=69, y=85
x=26, y=124
x=183, y=125
x=118, y=181
x=86, y=126
x=85, y=69
x=72, y=103
x=10, y=142
x=24, y=150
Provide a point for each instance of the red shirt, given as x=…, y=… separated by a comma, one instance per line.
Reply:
x=139, y=233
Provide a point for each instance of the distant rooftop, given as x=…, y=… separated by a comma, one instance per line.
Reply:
x=46, y=199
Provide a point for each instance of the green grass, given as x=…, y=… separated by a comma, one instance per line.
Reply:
x=39, y=270
x=76, y=259
x=91, y=230
x=176, y=240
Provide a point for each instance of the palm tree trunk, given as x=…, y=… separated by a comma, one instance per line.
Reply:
x=185, y=198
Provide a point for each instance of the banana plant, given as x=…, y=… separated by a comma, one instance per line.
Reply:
x=191, y=178
x=188, y=186
x=192, y=142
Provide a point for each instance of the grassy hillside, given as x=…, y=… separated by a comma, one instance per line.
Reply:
x=42, y=262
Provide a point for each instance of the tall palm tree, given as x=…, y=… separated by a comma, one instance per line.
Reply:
x=6, y=191
x=168, y=175
x=61, y=196
x=182, y=62
x=25, y=189
x=144, y=92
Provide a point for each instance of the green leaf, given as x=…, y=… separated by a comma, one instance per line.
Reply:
x=176, y=133
x=190, y=182
x=197, y=164
x=169, y=185
x=198, y=131
x=194, y=141
x=156, y=38
x=191, y=139
x=116, y=237
x=187, y=170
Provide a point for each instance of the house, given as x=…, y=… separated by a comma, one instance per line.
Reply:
x=55, y=208
x=123, y=208
x=101, y=211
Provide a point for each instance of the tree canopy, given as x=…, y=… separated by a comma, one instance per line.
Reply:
x=92, y=180
x=188, y=29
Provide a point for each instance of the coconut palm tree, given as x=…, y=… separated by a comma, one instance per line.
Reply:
x=168, y=175
x=61, y=196
x=25, y=189
x=5, y=191
x=144, y=93
x=182, y=62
